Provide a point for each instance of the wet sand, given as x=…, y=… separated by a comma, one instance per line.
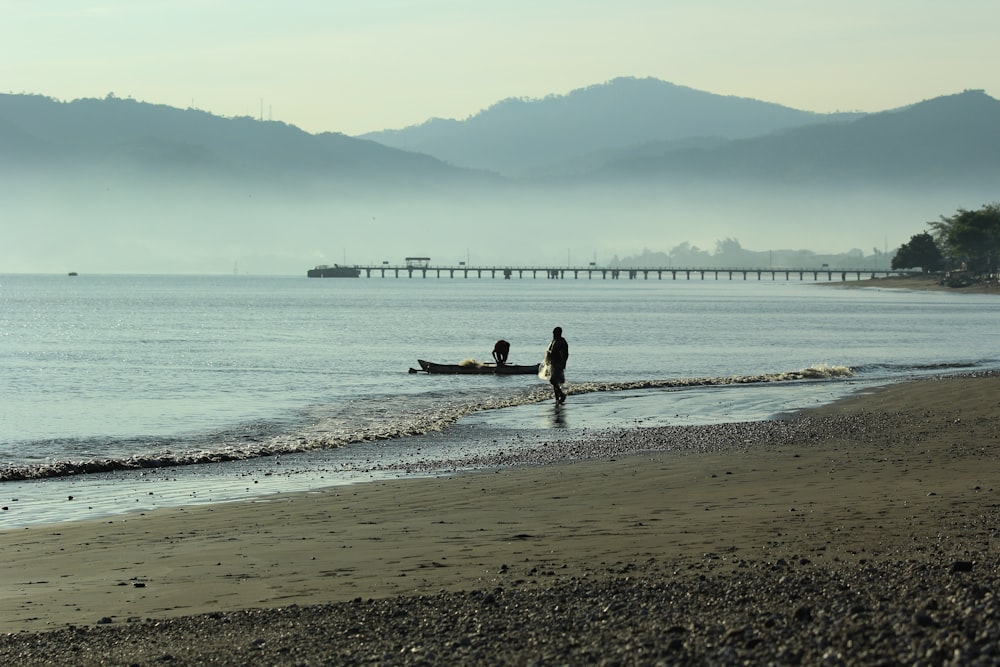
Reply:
x=900, y=475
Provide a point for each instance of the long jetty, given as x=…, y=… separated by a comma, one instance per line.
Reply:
x=605, y=273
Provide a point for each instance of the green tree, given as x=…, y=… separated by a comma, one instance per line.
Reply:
x=921, y=251
x=972, y=237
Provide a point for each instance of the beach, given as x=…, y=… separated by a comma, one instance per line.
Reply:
x=860, y=532
x=926, y=283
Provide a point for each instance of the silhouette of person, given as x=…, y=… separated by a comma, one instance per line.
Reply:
x=501, y=351
x=557, y=355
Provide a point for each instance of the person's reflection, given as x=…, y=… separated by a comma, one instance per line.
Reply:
x=558, y=416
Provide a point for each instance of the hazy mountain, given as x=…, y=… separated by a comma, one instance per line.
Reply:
x=629, y=129
x=527, y=136
x=124, y=137
x=952, y=140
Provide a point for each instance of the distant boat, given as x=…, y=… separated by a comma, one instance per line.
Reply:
x=335, y=271
x=73, y=273
x=474, y=368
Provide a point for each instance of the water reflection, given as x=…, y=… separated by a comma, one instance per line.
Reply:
x=558, y=416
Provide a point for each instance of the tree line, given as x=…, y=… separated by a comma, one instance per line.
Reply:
x=967, y=240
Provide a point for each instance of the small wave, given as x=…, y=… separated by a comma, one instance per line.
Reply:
x=817, y=372
x=372, y=421
x=922, y=368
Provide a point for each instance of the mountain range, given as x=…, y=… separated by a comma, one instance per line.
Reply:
x=122, y=135
x=652, y=130
x=575, y=132
x=631, y=128
x=617, y=168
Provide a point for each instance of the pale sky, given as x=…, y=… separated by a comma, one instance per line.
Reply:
x=355, y=66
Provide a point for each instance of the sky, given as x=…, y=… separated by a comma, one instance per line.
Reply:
x=355, y=66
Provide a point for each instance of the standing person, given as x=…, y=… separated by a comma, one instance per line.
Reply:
x=500, y=352
x=556, y=356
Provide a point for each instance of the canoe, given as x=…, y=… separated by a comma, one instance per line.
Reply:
x=474, y=368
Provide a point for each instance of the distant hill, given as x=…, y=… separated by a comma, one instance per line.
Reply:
x=636, y=130
x=952, y=139
x=522, y=137
x=122, y=136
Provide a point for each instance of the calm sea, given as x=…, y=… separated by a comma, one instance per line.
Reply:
x=104, y=372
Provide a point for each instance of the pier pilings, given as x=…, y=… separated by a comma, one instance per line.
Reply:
x=621, y=273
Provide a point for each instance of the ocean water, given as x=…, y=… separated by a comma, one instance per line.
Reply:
x=106, y=373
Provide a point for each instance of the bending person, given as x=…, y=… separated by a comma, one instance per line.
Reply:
x=501, y=351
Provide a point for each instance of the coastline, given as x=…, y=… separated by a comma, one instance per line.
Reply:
x=919, y=283
x=894, y=484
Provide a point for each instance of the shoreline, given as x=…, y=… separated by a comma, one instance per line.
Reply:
x=917, y=283
x=901, y=474
x=480, y=440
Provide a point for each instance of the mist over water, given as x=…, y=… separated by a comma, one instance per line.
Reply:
x=88, y=223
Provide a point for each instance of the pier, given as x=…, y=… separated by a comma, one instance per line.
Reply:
x=426, y=270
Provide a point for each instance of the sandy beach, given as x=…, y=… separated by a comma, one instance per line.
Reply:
x=930, y=283
x=900, y=482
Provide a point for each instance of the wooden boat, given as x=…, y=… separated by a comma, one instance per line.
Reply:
x=474, y=368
